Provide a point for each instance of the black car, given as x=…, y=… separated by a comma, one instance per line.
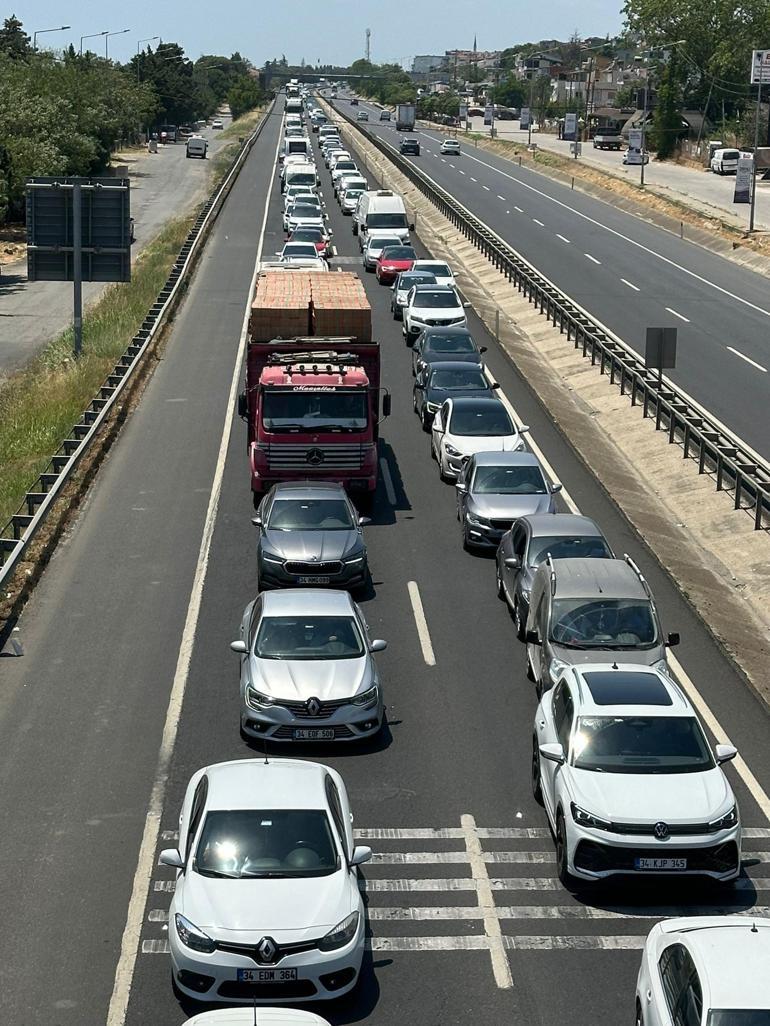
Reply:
x=410, y=146
x=437, y=345
x=354, y=102
x=447, y=380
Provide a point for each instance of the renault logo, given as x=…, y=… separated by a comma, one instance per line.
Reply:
x=313, y=706
x=315, y=457
x=267, y=949
x=661, y=831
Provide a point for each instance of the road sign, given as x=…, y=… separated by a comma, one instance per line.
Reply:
x=635, y=138
x=463, y=116
x=489, y=115
x=744, y=178
x=570, y=126
x=524, y=119
x=660, y=349
x=576, y=149
x=760, y=67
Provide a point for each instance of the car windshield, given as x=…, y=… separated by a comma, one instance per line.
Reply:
x=488, y=420
x=566, y=548
x=457, y=378
x=345, y=165
x=509, y=481
x=245, y=843
x=603, y=623
x=309, y=411
x=435, y=300
x=310, y=515
x=354, y=193
x=640, y=744
x=738, y=1017
x=307, y=235
x=299, y=249
x=300, y=210
x=408, y=278
x=440, y=270
x=398, y=253
x=308, y=637
x=377, y=245
x=386, y=220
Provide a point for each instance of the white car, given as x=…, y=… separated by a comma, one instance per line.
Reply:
x=430, y=306
x=331, y=155
x=375, y=246
x=267, y=1017
x=705, y=969
x=628, y=779
x=465, y=426
x=341, y=167
x=266, y=903
x=218, y=123
x=304, y=215
x=451, y=147
x=349, y=199
x=347, y=180
x=725, y=162
x=300, y=192
x=635, y=156
x=442, y=272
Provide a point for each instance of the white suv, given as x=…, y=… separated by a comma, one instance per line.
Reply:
x=628, y=779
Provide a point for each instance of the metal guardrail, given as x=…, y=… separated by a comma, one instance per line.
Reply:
x=733, y=464
x=17, y=534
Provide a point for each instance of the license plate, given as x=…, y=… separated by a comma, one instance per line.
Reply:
x=313, y=580
x=313, y=735
x=266, y=975
x=661, y=864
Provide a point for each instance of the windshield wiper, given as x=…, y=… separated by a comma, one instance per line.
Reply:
x=569, y=644
x=272, y=874
x=218, y=873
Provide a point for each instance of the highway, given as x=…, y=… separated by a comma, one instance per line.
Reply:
x=625, y=272
x=127, y=686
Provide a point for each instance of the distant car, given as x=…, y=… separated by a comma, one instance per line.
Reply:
x=320, y=239
x=363, y=115
x=298, y=249
x=354, y=102
x=496, y=487
x=410, y=145
x=392, y=260
x=384, y=115
x=635, y=156
x=218, y=123
x=725, y=162
x=463, y=427
x=374, y=246
x=430, y=306
x=451, y=147
x=401, y=286
x=439, y=345
x=441, y=271
x=436, y=383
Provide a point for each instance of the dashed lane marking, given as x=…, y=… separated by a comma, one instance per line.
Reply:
x=422, y=624
x=563, y=239
x=748, y=359
x=474, y=853
x=486, y=187
x=501, y=197
x=538, y=222
x=677, y=314
x=631, y=285
x=593, y=258
x=387, y=479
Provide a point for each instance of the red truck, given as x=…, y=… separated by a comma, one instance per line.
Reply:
x=312, y=400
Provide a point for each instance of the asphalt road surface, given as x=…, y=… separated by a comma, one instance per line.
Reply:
x=116, y=618
x=625, y=272
x=164, y=185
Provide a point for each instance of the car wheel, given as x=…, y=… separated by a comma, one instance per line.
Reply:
x=467, y=544
x=432, y=450
x=500, y=587
x=562, y=869
x=519, y=623
x=639, y=1016
x=537, y=783
x=426, y=421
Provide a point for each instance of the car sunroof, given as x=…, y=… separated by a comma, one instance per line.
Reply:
x=625, y=687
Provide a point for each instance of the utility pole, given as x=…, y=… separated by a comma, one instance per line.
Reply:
x=368, y=53
x=754, y=169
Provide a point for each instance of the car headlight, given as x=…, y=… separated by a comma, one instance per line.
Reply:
x=192, y=937
x=730, y=819
x=257, y=699
x=368, y=697
x=587, y=819
x=268, y=558
x=355, y=560
x=451, y=451
x=342, y=934
x=556, y=669
x=474, y=518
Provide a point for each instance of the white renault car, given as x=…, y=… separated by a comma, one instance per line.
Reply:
x=706, y=969
x=628, y=779
x=441, y=272
x=267, y=1017
x=465, y=426
x=266, y=905
x=431, y=306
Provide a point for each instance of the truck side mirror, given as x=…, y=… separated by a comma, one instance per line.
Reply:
x=243, y=406
x=386, y=405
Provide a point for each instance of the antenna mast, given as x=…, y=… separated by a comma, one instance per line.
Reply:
x=368, y=44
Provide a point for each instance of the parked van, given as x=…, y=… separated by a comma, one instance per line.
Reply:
x=591, y=611
x=725, y=162
x=380, y=212
x=197, y=146
x=293, y=145
x=300, y=174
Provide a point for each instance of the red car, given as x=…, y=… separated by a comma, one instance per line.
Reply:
x=317, y=236
x=392, y=261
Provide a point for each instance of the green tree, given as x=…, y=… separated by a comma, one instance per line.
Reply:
x=511, y=92
x=14, y=41
x=667, y=121
x=244, y=96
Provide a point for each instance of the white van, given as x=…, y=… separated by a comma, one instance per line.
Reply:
x=197, y=146
x=380, y=212
x=296, y=145
x=725, y=162
x=300, y=174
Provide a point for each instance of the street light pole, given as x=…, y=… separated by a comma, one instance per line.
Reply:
x=644, y=129
x=39, y=32
x=120, y=32
x=149, y=39
x=754, y=165
x=92, y=35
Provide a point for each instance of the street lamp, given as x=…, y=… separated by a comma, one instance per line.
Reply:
x=120, y=32
x=39, y=32
x=641, y=57
x=93, y=35
x=149, y=39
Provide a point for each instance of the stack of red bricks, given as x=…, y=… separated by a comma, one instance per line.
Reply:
x=340, y=306
x=289, y=304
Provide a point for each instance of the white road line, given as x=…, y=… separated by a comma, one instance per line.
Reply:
x=748, y=360
x=631, y=285
x=451, y=165
x=592, y=258
x=467, y=943
x=500, y=965
x=418, y=913
x=460, y=171
x=486, y=187
x=474, y=179
x=442, y=833
x=422, y=624
x=538, y=222
x=512, y=883
x=501, y=197
x=390, y=491
x=129, y=946
x=518, y=208
x=443, y=160
x=441, y=884
x=477, y=943
x=680, y=316
x=563, y=239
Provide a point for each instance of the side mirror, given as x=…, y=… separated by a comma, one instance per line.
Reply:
x=482, y=349
x=257, y=520
x=411, y=226
x=725, y=753
x=466, y=305
x=523, y=429
x=378, y=645
x=556, y=487
x=532, y=638
x=243, y=405
x=387, y=404
x=460, y=487
x=171, y=857
x=673, y=639
x=495, y=385
x=553, y=753
x=514, y=563
x=361, y=853
x=240, y=647
x=363, y=521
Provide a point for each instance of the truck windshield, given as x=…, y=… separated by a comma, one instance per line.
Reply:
x=307, y=411
x=386, y=221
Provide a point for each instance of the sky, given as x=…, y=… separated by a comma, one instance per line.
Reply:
x=332, y=31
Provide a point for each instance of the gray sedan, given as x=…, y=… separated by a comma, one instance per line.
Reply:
x=310, y=534
x=526, y=545
x=494, y=489
x=307, y=672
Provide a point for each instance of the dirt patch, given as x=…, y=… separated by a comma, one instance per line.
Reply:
x=13, y=243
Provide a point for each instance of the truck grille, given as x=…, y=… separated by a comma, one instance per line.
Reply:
x=309, y=457
x=325, y=569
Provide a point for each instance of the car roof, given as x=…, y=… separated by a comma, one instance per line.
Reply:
x=582, y=577
x=562, y=524
x=451, y=329
x=429, y=260
x=306, y=601
x=503, y=459
x=732, y=954
x=446, y=289
x=475, y=402
x=309, y=490
x=455, y=365
x=627, y=689
x=244, y=1016
x=274, y=784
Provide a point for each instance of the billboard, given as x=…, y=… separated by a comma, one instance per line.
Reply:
x=744, y=178
x=489, y=115
x=524, y=120
x=635, y=138
x=760, y=67
x=570, y=127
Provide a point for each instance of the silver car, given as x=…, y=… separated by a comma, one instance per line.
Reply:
x=530, y=540
x=307, y=672
x=374, y=248
x=310, y=535
x=494, y=488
